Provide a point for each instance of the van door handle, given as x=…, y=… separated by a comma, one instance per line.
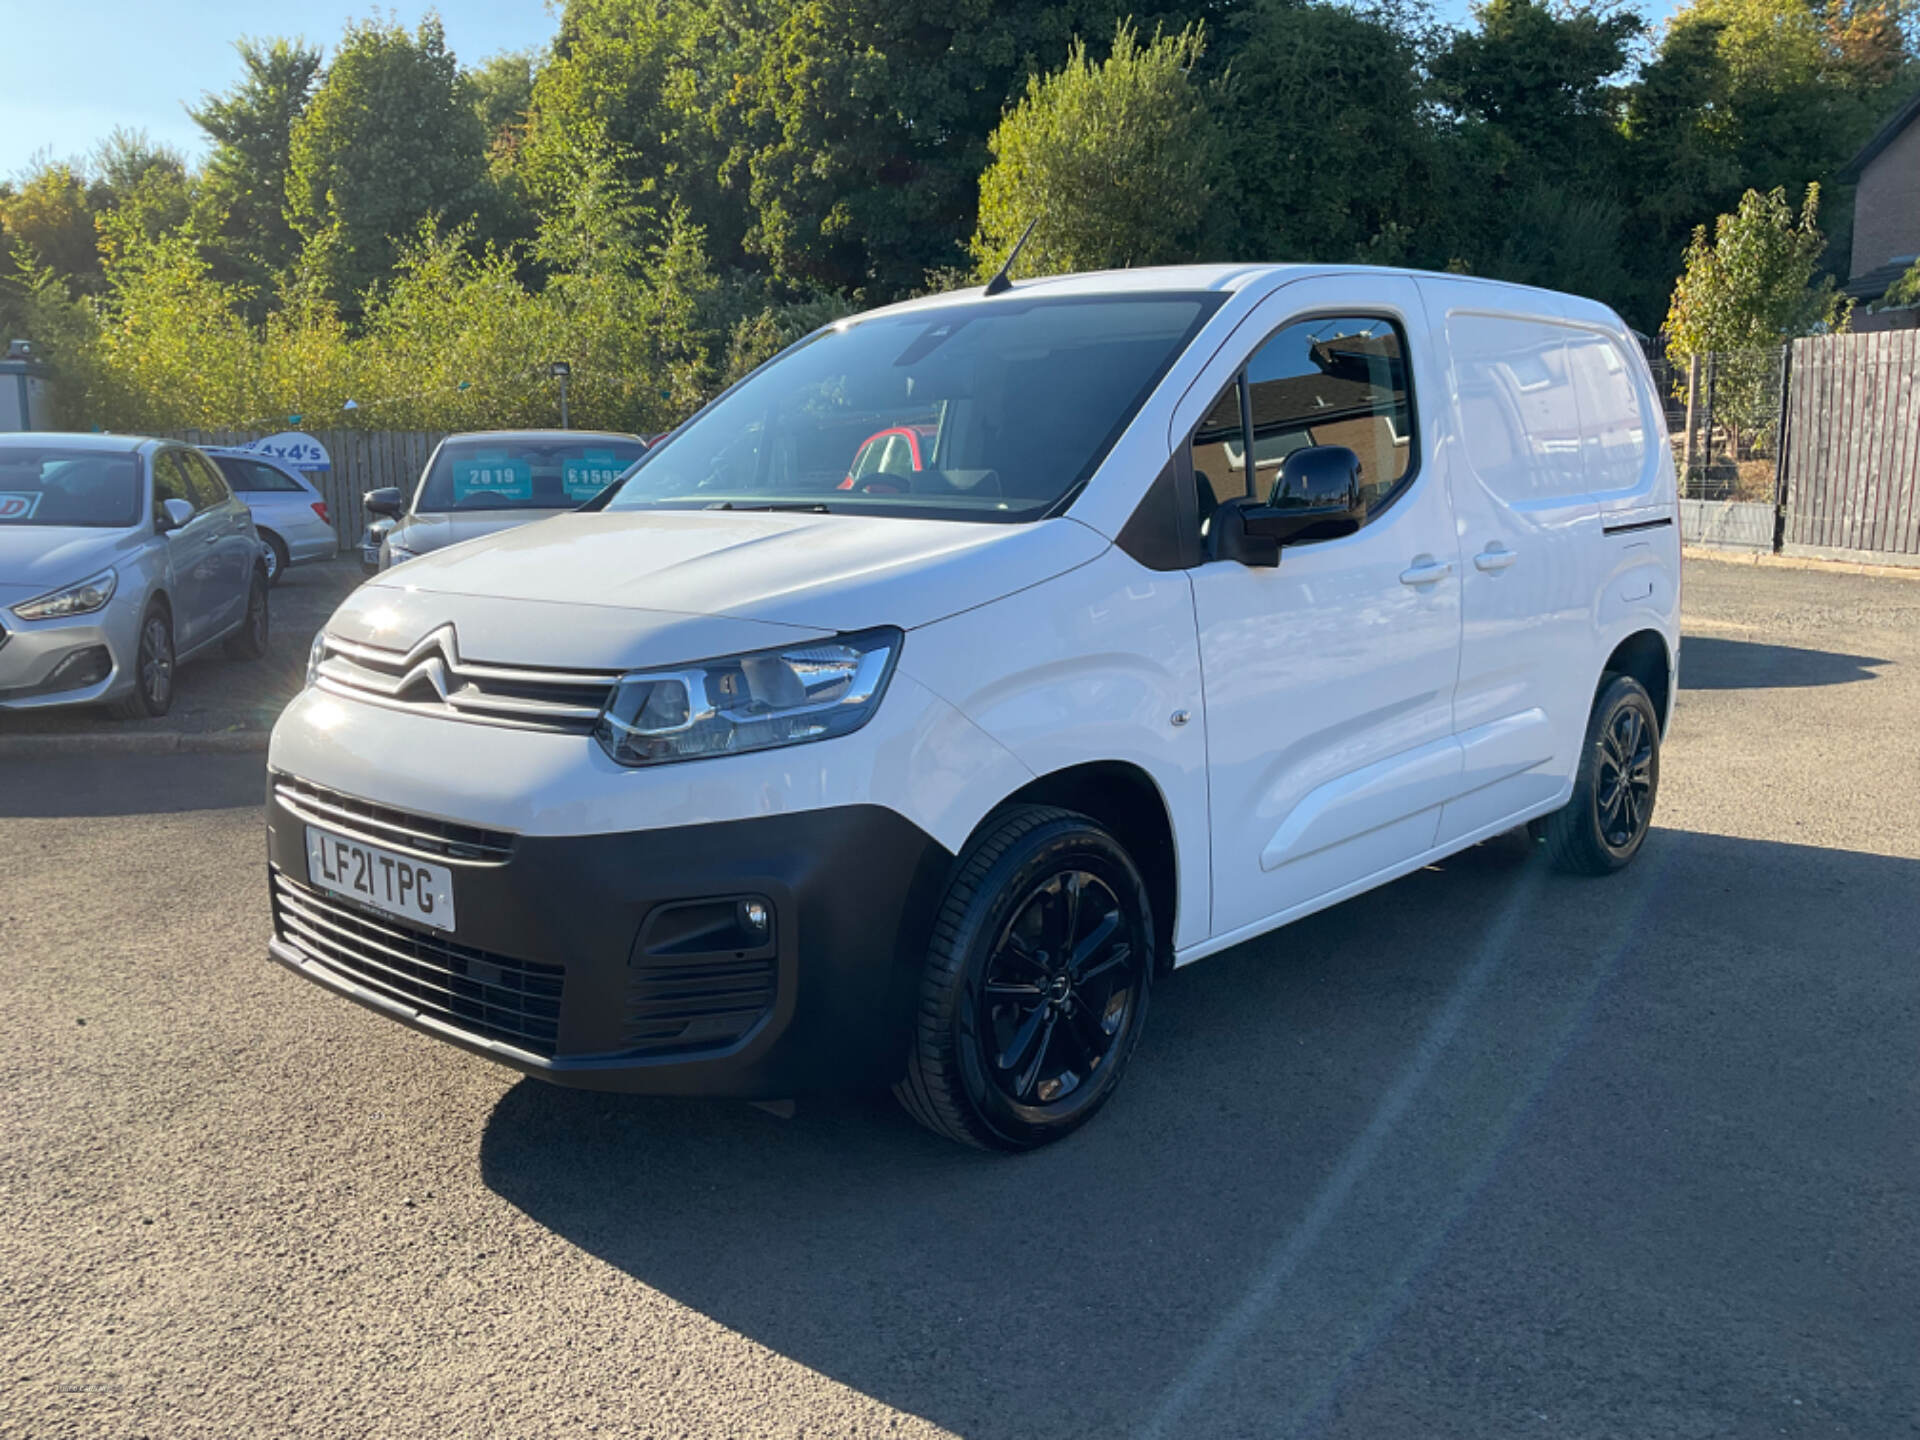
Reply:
x=1494, y=558
x=1425, y=570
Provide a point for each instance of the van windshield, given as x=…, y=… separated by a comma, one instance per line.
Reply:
x=994, y=411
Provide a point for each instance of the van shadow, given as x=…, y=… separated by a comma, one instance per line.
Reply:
x=1073, y=1291
x=1709, y=662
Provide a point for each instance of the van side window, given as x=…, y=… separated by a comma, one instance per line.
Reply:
x=1614, y=425
x=1519, y=419
x=1219, y=453
x=1338, y=380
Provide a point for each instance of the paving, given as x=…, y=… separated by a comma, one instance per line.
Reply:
x=1490, y=1152
x=216, y=699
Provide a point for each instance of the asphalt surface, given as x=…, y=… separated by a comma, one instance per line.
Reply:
x=1490, y=1152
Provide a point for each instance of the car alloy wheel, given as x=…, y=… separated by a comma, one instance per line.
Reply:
x=156, y=663
x=1056, y=992
x=1623, y=792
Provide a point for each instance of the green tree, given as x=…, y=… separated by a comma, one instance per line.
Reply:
x=1750, y=287
x=390, y=137
x=1332, y=148
x=144, y=183
x=50, y=217
x=664, y=84
x=1115, y=162
x=242, y=205
x=502, y=91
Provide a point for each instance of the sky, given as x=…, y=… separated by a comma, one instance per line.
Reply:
x=69, y=73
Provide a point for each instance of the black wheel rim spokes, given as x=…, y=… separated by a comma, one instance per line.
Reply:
x=1623, y=797
x=1058, y=990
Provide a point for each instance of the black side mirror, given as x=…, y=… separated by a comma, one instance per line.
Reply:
x=1316, y=497
x=387, y=501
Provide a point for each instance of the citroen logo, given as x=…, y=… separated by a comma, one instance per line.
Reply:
x=430, y=661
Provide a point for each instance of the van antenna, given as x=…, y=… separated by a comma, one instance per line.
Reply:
x=1003, y=278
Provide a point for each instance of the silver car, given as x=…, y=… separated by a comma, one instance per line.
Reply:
x=493, y=480
x=288, y=511
x=119, y=558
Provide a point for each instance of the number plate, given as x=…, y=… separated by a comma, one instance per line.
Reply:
x=397, y=884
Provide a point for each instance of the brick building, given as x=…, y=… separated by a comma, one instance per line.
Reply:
x=1886, y=205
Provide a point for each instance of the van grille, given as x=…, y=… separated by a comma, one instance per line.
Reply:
x=493, y=997
x=383, y=825
x=431, y=678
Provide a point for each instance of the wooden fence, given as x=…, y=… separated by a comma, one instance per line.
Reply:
x=1853, y=447
x=363, y=460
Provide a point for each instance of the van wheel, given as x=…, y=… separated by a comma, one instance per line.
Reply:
x=1035, y=985
x=1602, y=827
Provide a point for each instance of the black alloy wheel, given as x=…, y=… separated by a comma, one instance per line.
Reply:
x=1605, y=822
x=1036, y=983
x=1053, y=999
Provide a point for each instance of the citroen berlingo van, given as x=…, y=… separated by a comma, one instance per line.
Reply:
x=1204, y=598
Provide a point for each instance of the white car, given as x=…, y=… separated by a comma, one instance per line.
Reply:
x=1218, y=595
x=288, y=510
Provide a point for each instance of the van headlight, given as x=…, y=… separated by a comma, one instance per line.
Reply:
x=315, y=654
x=88, y=596
x=812, y=691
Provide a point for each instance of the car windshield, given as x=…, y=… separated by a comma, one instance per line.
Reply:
x=507, y=472
x=994, y=411
x=48, y=485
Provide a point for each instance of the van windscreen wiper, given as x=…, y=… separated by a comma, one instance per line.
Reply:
x=808, y=507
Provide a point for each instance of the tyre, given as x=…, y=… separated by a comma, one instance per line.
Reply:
x=1035, y=986
x=276, y=556
x=1601, y=828
x=152, y=668
x=249, y=642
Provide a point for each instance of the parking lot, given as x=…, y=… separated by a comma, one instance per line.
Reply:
x=1489, y=1152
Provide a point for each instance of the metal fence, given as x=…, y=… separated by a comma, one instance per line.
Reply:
x=1726, y=414
x=363, y=460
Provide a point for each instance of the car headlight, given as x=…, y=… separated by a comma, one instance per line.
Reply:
x=315, y=654
x=398, y=556
x=82, y=599
x=811, y=691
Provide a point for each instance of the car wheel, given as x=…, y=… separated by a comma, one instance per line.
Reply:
x=152, y=668
x=276, y=556
x=1035, y=986
x=249, y=642
x=1601, y=828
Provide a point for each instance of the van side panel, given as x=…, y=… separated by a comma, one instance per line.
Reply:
x=1090, y=666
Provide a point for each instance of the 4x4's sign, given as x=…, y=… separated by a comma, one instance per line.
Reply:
x=302, y=452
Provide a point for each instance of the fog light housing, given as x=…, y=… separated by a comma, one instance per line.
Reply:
x=80, y=669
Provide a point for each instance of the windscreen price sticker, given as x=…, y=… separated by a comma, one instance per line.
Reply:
x=591, y=473
x=497, y=475
x=18, y=505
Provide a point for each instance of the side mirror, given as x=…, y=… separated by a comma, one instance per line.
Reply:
x=387, y=501
x=173, y=514
x=1316, y=497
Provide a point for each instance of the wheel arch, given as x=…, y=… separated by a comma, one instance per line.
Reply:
x=1125, y=799
x=1644, y=655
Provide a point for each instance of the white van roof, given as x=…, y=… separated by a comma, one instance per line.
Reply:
x=1232, y=278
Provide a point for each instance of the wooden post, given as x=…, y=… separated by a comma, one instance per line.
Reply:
x=1693, y=396
x=1781, y=436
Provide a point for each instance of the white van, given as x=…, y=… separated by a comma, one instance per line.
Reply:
x=1204, y=598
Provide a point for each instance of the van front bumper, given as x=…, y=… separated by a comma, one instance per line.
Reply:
x=606, y=961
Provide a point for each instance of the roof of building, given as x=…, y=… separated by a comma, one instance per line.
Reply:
x=1872, y=284
x=1882, y=138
